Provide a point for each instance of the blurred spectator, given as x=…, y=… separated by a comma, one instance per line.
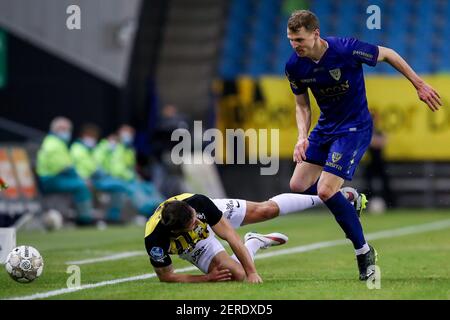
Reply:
x=123, y=161
x=167, y=176
x=104, y=150
x=118, y=159
x=82, y=152
x=169, y=121
x=376, y=167
x=56, y=171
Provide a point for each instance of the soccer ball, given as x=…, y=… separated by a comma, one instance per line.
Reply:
x=377, y=205
x=24, y=264
x=52, y=220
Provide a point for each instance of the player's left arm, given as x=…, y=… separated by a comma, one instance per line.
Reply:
x=425, y=92
x=224, y=230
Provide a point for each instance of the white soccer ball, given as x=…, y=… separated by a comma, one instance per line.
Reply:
x=24, y=264
x=377, y=205
x=52, y=220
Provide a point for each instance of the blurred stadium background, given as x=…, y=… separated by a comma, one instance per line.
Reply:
x=221, y=62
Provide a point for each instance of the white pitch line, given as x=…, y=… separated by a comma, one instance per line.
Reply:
x=443, y=224
x=438, y=225
x=117, y=256
x=304, y=248
x=53, y=293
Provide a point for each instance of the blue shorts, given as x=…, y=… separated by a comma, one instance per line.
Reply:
x=338, y=154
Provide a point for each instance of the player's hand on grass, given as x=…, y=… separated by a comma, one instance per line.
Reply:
x=428, y=95
x=300, y=150
x=254, y=278
x=219, y=274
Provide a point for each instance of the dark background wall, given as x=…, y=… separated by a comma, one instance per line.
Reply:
x=41, y=86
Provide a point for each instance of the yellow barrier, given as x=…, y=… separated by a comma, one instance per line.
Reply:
x=413, y=131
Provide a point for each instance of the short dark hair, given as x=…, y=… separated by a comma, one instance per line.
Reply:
x=303, y=18
x=176, y=215
x=90, y=129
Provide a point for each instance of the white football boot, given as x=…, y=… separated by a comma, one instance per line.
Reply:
x=359, y=200
x=268, y=240
x=350, y=193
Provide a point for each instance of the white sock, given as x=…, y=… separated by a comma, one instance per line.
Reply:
x=365, y=248
x=294, y=202
x=252, y=245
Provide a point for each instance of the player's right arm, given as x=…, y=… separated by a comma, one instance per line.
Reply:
x=303, y=117
x=167, y=274
x=157, y=249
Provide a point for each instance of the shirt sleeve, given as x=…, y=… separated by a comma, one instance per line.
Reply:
x=361, y=52
x=205, y=205
x=296, y=87
x=157, y=252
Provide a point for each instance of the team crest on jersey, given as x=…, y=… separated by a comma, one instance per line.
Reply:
x=336, y=74
x=336, y=157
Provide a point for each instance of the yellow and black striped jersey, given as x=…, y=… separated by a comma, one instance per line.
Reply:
x=160, y=242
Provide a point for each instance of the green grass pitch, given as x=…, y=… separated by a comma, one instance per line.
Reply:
x=413, y=266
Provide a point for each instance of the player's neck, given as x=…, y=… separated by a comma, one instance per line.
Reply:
x=319, y=50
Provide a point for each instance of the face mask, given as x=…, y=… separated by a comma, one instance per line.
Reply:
x=89, y=142
x=126, y=138
x=112, y=145
x=64, y=135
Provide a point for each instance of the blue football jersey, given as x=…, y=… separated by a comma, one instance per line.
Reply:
x=337, y=83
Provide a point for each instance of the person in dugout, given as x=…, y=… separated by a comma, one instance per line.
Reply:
x=117, y=158
x=82, y=153
x=56, y=172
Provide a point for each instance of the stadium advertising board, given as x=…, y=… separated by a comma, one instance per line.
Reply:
x=413, y=131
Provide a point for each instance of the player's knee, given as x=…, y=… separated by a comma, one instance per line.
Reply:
x=325, y=192
x=268, y=210
x=296, y=186
x=238, y=274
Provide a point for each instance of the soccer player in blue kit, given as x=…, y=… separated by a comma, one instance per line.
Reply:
x=331, y=68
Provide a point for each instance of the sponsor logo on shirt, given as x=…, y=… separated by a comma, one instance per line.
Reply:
x=157, y=254
x=334, y=165
x=311, y=80
x=318, y=69
x=336, y=90
x=201, y=216
x=363, y=54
